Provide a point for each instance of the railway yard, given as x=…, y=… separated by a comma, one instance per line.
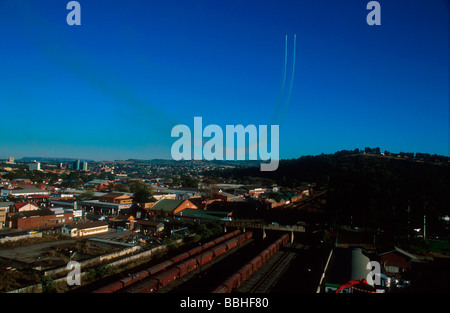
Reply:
x=236, y=262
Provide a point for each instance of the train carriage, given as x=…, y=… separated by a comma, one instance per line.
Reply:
x=265, y=255
x=232, y=243
x=110, y=288
x=208, y=245
x=271, y=249
x=159, y=267
x=205, y=258
x=246, y=271
x=241, y=238
x=187, y=266
x=233, y=282
x=219, y=240
x=179, y=257
x=232, y=234
x=219, y=250
x=141, y=275
x=167, y=277
x=126, y=281
x=257, y=262
x=194, y=251
x=150, y=287
x=221, y=289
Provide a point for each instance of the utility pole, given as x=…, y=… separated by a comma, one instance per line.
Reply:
x=424, y=227
x=425, y=206
x=409, y=222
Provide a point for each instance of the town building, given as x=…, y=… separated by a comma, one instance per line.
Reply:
x=225, y=196
x=120, y=198
x=25, y=192
x=149, y=227
x=104, y=207
x=85, y=229
x=124, y=221
x=170, y=207
x=4, y=210
x=34, y=166
x=37, y=218
x=24, y=206
x=394, y=263
x=206, y=215
x=98, y=184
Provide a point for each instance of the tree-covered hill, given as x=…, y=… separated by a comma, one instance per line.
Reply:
x=390, y=192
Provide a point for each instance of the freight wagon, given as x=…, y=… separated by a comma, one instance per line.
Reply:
x=169, y=276
x=245, y=272
x=122, y=283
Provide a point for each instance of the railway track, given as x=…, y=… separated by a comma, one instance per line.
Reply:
x=158, y=276
x=266, y=278
x=240, y=277
x=184, y=266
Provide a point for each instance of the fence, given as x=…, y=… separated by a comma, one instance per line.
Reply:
x=15, y=238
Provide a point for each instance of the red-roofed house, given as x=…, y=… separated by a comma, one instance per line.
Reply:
x=25, y=206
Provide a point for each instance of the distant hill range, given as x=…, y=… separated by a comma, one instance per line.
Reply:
x=244, y=163
x=46, y=159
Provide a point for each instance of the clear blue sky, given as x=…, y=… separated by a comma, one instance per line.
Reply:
x=114, y=87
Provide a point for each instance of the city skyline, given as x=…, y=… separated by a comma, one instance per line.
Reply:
x=114, y=87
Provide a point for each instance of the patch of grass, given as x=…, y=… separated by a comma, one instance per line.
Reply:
x=427, y=246
x=15, y=279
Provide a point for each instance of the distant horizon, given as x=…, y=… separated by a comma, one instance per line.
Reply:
x=68, y=159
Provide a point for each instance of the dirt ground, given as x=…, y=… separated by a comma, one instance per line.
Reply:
x=29, y=254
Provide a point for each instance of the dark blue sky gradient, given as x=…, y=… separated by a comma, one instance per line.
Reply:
x=114, y=87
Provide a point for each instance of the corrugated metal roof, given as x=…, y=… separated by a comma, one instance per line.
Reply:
x=166, y=205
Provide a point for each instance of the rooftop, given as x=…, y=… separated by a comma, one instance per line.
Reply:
x=86, y=225
x=167, y=205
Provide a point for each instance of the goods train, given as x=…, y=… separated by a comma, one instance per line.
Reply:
x=168, y=271
x=244, y=273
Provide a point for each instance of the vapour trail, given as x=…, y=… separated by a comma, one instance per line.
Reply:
x=291, y=84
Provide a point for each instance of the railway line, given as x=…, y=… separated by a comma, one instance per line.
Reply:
x=236, y=262
x=158, y=276
x=245, y=272
x=206, y=279
x=268, y=275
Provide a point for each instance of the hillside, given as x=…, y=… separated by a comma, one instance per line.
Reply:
x=370, y=190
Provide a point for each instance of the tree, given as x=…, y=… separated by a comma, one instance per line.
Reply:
x=190, y=182
x=121, y=188
x=87, y=195
x=48, y=285
x=141, y=192
x=142, y=196
x=137, y=185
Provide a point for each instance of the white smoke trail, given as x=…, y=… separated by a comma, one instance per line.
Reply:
x=291, y=83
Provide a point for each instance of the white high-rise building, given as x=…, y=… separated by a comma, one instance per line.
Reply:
x=34, y=166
